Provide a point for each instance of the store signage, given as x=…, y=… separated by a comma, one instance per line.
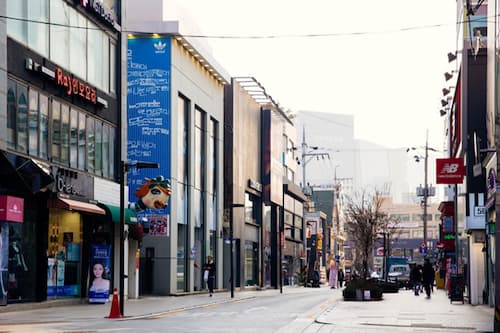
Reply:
x=65, y=187
x=449, y=170
x=99, y=9
x=73, y=183
x=479, y=211
x=11, y=209
x=75, y=86
x=448, y=237
x=255, y=185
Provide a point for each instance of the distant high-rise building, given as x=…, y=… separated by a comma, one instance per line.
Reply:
x=356, y=164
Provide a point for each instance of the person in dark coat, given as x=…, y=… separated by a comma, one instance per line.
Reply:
x=340, y=277
x=415, y=278
x=427, y=277
x=210, y=268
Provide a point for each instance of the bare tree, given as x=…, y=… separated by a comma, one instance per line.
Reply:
x=364, y=220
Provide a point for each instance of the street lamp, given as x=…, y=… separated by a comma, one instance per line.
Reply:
x=124, y=167
x=231, y=252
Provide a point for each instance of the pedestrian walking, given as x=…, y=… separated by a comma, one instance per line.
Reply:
x=415, y=278
x=209, y=274
x=427, y=277
x=332, y=279
x=340, y=277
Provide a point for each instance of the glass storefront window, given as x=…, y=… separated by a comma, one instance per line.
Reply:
x=267, y=260
x=112, y=143
x=22, y=260
x=22, y=119
x=64, y=254
x=33, y=118
x=78, y=41
x=248, y=209
x=56, y=131
x=251, y=263
x=38, y=33
x=82, y=140
x=17, y=28
x=68, y=38
x=105, y=151
x=59, y=33
x=181, y=267
x=73, y=139
x=65, y=134
x=11, y=114
x=112, y=68
x=98, y=148
x=44, y=126
x=98, y=57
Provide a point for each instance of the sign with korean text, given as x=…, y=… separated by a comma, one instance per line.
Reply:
x=75, y=87
x=449, y=170
x=149, y=121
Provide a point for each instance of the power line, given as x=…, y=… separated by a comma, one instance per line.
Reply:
x=314, y=35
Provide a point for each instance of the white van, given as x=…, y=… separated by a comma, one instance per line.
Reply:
x=400, y=273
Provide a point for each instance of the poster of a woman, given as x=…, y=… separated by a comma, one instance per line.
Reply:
x=99, y=283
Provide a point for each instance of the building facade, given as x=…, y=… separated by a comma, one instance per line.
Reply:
x=175, y=118
x=59, y=146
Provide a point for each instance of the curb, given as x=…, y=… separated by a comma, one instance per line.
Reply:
x=186, y=308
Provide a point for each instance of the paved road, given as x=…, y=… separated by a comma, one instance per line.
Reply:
x=297, y=310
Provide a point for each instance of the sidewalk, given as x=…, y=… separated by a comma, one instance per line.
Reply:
x=406, y=310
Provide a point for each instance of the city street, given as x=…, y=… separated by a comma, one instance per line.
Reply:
x=296, y=310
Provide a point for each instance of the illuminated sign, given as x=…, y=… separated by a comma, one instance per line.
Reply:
x=75, y=86
x=449, y=237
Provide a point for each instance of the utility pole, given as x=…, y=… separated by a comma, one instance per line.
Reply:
x=304, y=154
x=426, y=191
x=426, y=187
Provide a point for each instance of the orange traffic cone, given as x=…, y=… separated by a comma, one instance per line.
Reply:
x=115, y=306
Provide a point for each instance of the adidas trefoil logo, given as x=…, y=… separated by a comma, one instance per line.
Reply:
x=160, y=46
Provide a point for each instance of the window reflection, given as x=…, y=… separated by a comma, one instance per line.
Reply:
x=33, y=123
x=22, y=119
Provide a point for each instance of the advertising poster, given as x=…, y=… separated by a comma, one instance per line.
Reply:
x=100, y=273
x=149, y=122
x=4, y=261
x=51, y=277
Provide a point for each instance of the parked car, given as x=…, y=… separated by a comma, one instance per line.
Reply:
x=400, y=273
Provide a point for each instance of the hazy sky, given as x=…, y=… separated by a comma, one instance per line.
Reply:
x=381, y=61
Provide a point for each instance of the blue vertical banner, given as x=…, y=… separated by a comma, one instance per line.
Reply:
x=149, y=122
x=100, y=273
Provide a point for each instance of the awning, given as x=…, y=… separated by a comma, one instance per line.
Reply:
x=76, y=205
x=33, y=174
x=114, y=211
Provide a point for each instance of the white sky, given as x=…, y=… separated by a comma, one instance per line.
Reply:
x=389, y=78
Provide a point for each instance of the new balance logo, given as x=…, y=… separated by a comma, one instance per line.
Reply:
x=450, y=168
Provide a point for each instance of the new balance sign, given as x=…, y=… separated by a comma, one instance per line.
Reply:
x=449, y=170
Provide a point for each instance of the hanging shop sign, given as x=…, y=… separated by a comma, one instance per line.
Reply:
x=11, y=209
x=449, y=170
